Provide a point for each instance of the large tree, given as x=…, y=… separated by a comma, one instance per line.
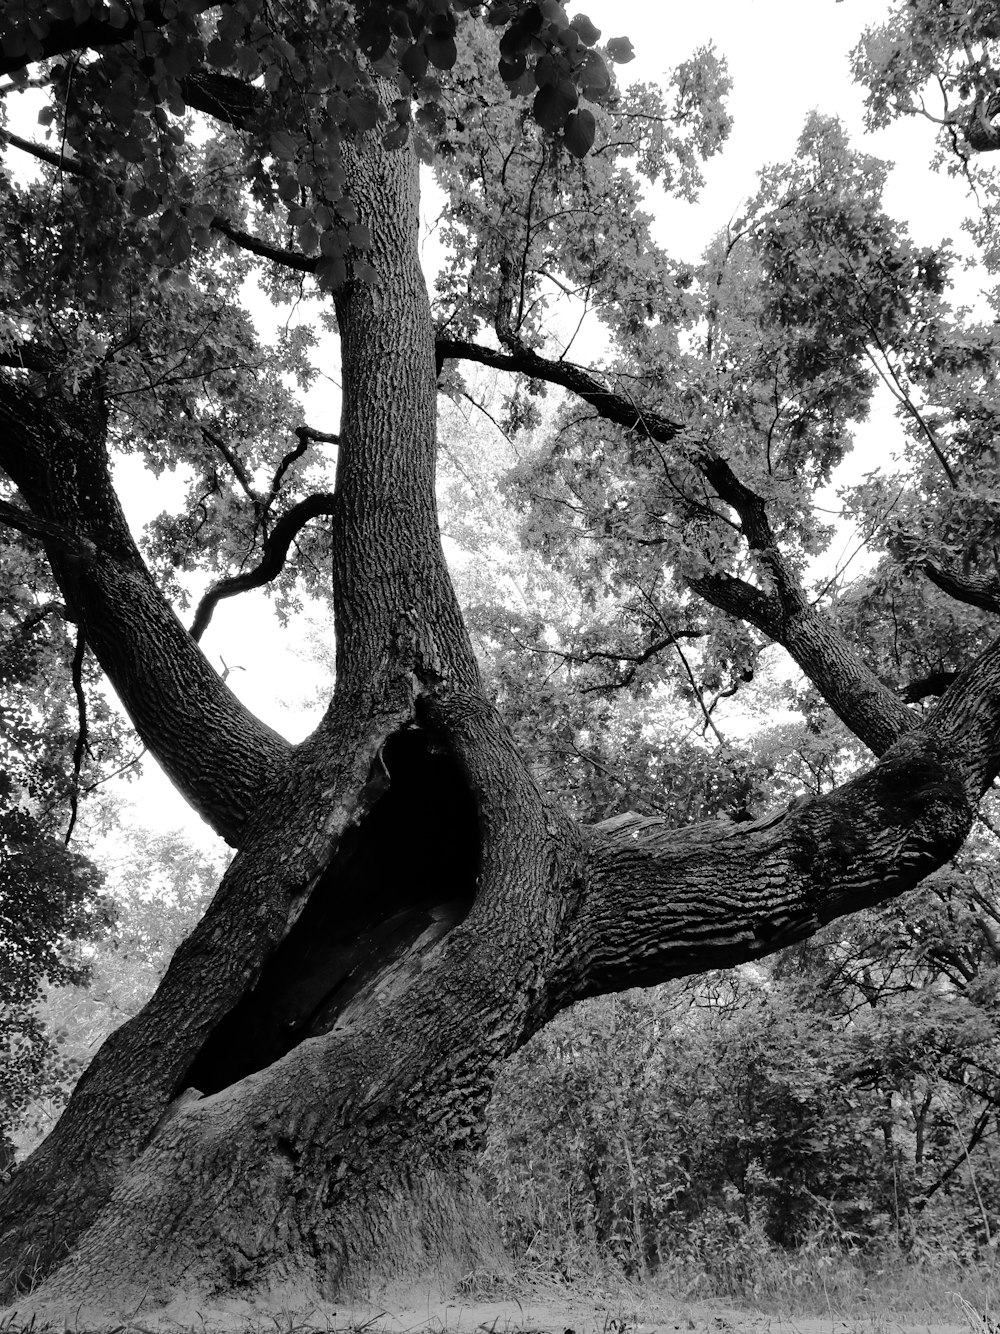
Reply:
x=296, y=1111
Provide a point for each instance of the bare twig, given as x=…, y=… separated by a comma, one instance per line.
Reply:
x=271, y=562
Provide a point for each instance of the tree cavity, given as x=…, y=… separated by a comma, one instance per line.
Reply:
x=397, y=884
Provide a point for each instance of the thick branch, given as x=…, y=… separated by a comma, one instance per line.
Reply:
x=216, y=752
x=271, y=563
x=663, y=902
x=44, y=529
x=390, y=578
x=741, y=600
x=28, y=357
x=875, y=715
x=982, y=128
x=82, y=745
x=615, y=407
x=936, y=683
x=974, y=590
x=288, y=259
x=866, y=704
x=966, y=721
x=612, y=406
x=224, y=97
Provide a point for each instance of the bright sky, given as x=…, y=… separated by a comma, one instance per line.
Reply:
x=786, y=57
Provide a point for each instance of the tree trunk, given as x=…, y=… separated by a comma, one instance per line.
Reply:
x=295, y=1114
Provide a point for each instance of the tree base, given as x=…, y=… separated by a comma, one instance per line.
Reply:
x=435, y=1241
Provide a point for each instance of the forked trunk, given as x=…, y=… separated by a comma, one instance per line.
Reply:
x=295, y=1113
x=303, y=1092
x=344, y=1094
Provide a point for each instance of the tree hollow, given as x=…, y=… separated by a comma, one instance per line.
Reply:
x=398, y=882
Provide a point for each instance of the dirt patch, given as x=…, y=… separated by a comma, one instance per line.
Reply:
x=412, y=1313
x=430, y=1311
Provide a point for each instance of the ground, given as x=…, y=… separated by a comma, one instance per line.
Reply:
x=431, y=1311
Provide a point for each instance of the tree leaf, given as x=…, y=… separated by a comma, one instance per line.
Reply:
x=511, y=67
x=620, y=50
x=441, y=49
x=553, y=104
x=594, y=77
x=283, y=145
x=578, y=135
x=144, y=202
x=364, y=112
x=589, y=34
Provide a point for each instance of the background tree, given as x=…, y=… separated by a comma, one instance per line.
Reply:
x=50, y=895
x=404, y=892
x=155, y=888
x=49, y=900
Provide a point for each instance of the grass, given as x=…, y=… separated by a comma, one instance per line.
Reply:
x=764, y=1282
x=580, y=1291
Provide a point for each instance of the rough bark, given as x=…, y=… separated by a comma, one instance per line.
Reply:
x=217, y=753
x=357, y=1143
x=145, y=1065
x=393, y=596
x=398, y=627
x=875, y=715
x=295, y=1113
x=354, y=1146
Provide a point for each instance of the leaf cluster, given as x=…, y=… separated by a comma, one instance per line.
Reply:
x=299, y=85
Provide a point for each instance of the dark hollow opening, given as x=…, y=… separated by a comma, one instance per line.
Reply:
x=407, y=873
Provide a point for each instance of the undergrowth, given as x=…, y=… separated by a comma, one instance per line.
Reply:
x=891, y=1287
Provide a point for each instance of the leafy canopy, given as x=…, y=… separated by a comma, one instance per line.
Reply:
x=300, y=83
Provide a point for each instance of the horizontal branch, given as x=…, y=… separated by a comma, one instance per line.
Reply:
x=28, y=356
x=71, y=166
x=289, y=259
x=635, y=660
x=611, y=405
x=224, y=97
x=662, y=902
x=46, y=530
x=923, y=687
x=271, y=563
x=975, y=591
